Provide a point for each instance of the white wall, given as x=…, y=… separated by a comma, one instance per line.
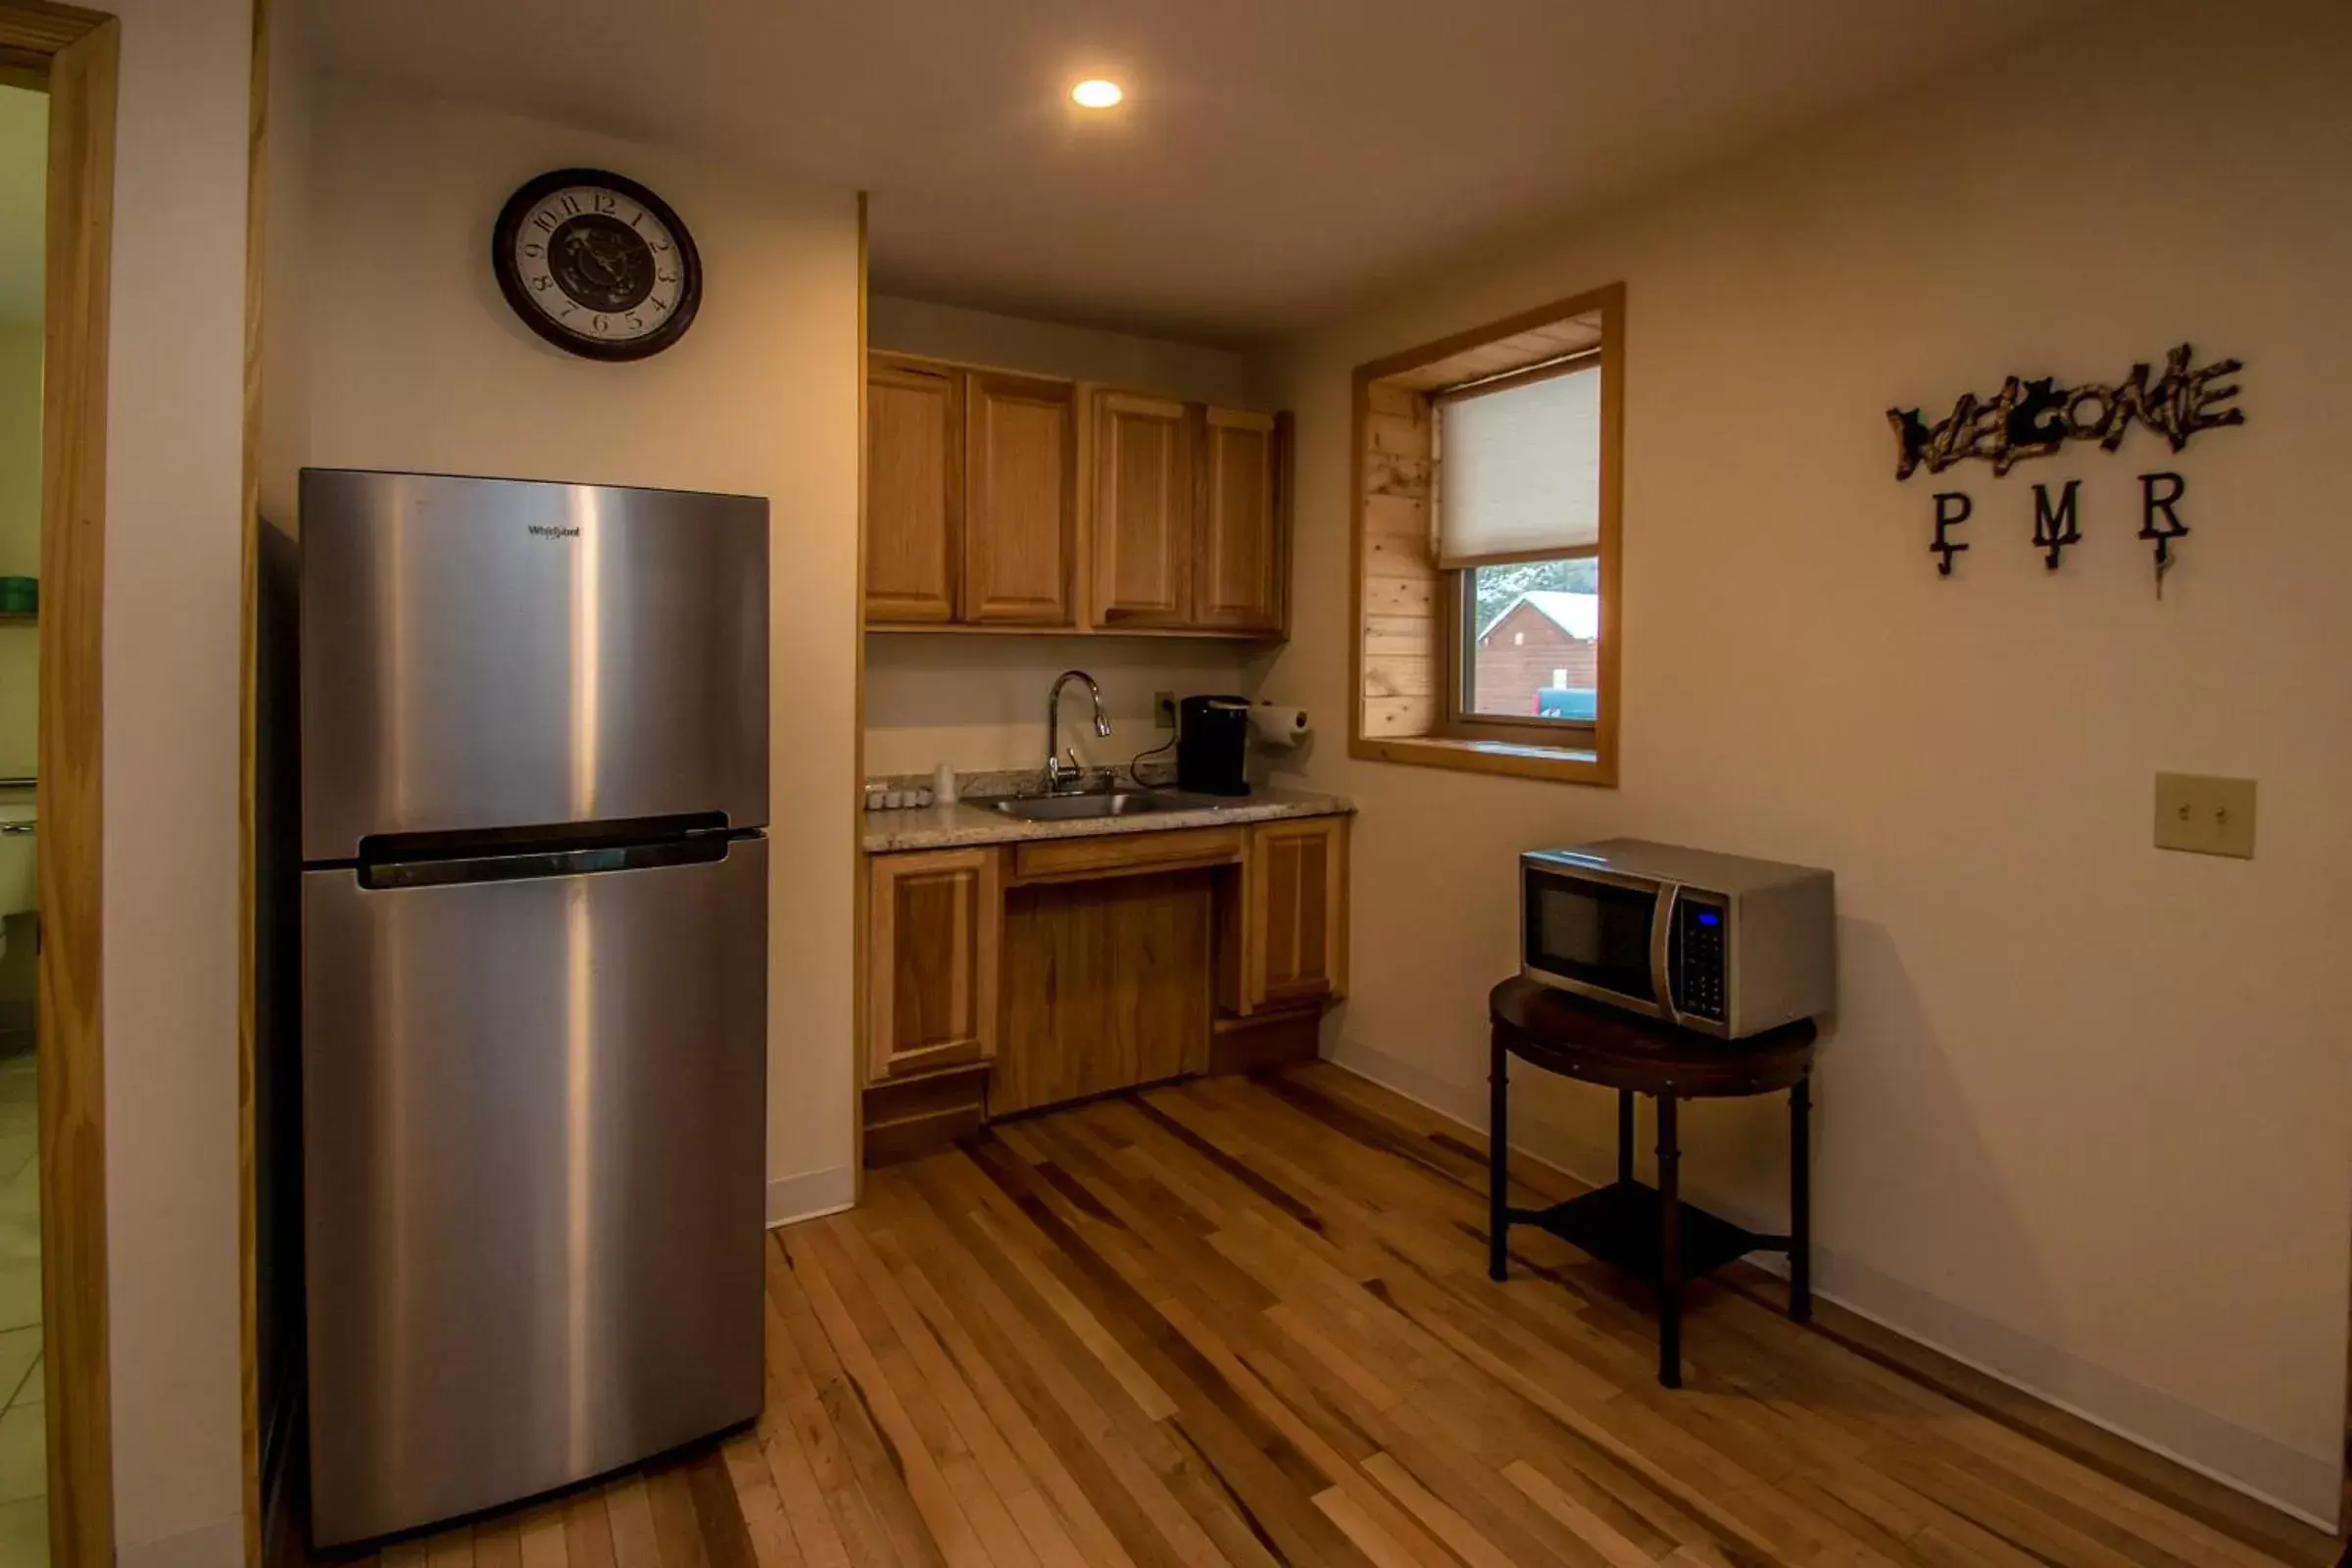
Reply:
x=1190, y=371
x=979, y=702
x=415, y=362
x=2086, y=1109
x=286, y=270
x=172, y=612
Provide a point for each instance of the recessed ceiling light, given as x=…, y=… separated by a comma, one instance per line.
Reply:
x=1096, y=93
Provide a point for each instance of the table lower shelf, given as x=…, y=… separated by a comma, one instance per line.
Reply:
x=1621, y=1224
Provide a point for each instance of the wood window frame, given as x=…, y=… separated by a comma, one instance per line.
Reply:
x=1447, y=736
x=1457, y=630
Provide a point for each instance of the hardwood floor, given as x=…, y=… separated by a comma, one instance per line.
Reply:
x=1248, y=1321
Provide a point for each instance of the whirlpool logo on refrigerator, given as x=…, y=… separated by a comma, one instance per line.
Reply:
x=554, y=531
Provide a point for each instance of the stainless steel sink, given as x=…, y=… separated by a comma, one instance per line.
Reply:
x=1117, y=803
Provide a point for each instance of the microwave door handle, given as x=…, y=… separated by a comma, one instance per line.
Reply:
x=1661, y=931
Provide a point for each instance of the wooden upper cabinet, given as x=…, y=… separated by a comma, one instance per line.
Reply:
x=1295, y=944
x=932, y=961
x=1144, y=508
x=1238, y=564
x=995, y=499
x=1021, y=499
x=915, y=490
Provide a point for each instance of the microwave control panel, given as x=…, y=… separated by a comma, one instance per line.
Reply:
x=1697, y=965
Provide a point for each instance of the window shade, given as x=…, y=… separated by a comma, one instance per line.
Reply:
x=1519, y=470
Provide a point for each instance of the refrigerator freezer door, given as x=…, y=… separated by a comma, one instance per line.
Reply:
x=498, y=652
x=534, y=1180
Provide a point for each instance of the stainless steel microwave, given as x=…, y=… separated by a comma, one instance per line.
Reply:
x=1717, y=943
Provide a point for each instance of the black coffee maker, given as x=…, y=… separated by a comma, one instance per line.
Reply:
x=1212, y=738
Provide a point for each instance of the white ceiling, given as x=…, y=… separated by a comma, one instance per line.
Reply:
x=24, y=178
x=1276, y=160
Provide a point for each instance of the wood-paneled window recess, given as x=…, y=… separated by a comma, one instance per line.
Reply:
x=1488, y=491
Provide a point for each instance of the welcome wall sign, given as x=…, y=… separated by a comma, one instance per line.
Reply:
x=2039, y=418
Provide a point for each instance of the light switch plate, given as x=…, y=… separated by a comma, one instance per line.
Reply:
x=2205, y=816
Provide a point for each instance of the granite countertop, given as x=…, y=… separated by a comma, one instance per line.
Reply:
x=944, y=827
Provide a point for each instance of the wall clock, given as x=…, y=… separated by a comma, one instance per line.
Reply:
x=597, y=264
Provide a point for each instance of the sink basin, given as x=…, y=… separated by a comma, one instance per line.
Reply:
x=1118, y=802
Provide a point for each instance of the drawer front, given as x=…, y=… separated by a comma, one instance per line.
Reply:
x=1114, y=854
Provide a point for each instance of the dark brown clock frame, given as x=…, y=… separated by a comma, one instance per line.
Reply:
x=518, y=212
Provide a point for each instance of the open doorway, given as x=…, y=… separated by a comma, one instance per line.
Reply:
x=23, y=1447
x=58, y=66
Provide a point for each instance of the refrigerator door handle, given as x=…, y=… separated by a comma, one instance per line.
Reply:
x=453, y=870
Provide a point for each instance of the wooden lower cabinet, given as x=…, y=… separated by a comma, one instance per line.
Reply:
x=933, y=963
x=1001, y=980
x=1294, y=915
x=1106, y=985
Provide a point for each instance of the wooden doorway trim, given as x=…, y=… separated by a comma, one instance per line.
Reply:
x=73, y=54
x=258, y=1516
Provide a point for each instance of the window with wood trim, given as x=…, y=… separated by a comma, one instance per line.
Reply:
x=1486, y=523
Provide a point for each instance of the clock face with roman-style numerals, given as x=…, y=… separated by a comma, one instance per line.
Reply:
x=597, y=264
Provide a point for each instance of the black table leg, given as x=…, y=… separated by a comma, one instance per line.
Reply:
x=1498, y=1142
x=1625, y=1136
x=1670, y=1255
x=1800, y=1201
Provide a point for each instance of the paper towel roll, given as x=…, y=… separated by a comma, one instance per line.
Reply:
x=1279, y=726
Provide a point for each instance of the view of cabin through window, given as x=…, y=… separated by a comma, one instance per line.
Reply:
x=1534, y=633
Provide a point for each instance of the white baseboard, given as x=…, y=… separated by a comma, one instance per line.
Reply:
x=2305, y=1486
x=215, y=1545
x=811, y=1194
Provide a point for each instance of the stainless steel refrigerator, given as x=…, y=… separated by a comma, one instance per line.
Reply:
x=534, y=914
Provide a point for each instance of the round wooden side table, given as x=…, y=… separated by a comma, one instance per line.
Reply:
x=1649, y=1232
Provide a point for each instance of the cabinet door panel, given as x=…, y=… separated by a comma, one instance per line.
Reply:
x=1144, y=508
x=1237, y=583
x=1020, y=524
x=1106, y=986
x=932, y=961
x=915, y=491
x=1298, y=911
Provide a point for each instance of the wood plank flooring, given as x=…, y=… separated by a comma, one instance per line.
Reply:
x=1248, y=1321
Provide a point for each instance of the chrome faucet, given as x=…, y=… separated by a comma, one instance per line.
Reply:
x=1064, y=777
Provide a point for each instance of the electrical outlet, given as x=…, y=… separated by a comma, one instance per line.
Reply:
x=1163, y=709
x=2205, y=816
